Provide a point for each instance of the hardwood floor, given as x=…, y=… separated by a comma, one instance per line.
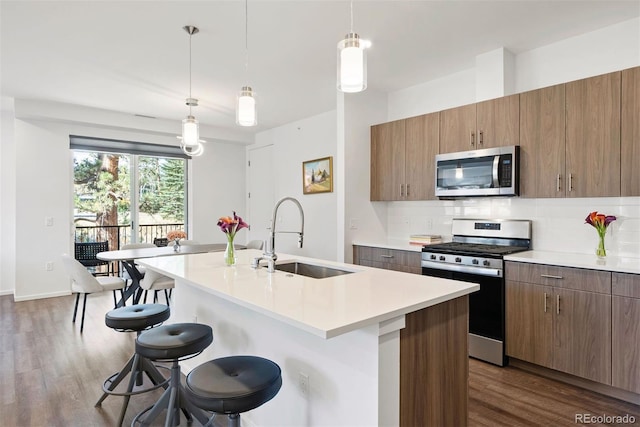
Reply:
x=51, y=375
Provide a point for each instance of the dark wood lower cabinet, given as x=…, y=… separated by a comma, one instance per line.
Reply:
x=434, y=366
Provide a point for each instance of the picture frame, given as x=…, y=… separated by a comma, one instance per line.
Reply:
x=317, y=175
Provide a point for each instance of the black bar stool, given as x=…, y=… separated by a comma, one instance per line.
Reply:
x=174, y=343
x=232, y=385
x=136, y=318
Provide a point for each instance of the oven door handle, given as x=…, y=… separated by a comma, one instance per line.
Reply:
x=481, y=271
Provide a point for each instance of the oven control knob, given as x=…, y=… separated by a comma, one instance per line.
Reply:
x=433, y=257
x=486, y=262
x=458, y=259
x=442, y=258
x=474, y=261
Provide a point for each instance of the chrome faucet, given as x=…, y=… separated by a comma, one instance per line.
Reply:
x=270, y=247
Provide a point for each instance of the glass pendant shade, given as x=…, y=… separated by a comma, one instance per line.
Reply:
x=352, y=64
x=246, y=107
x=190, y=132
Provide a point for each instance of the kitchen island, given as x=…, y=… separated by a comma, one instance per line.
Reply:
x=368, y=348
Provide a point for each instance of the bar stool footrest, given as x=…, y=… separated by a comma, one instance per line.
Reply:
x=107, y=383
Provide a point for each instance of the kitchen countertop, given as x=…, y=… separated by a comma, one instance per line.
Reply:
x=324, y=307
x=402, y=245
x=562, y=259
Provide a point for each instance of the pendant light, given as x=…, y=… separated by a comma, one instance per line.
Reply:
x=191, y=144
x=246, y=101
x=352, y=61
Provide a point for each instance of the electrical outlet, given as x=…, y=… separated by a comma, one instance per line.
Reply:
x=48, y=221
x=429, y=224
x=194, y=319
x=353, y=224
x=303, y=383
x=48, y=266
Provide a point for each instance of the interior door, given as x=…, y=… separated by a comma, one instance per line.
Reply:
x=260, y=192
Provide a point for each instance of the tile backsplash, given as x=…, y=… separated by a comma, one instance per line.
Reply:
x=558, y=224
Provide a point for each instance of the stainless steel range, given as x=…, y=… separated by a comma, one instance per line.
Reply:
x=476, y=255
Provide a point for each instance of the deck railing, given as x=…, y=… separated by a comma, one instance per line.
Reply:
x=118, y=235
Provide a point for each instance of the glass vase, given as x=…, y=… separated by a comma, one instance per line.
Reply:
x=601, y=252
x=229, y=252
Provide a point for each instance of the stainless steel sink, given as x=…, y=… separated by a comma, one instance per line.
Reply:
x=310, y=270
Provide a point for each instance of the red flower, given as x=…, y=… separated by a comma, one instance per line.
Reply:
x=231, y=225
x=599, y=221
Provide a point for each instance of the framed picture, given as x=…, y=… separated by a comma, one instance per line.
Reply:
x=317, y=176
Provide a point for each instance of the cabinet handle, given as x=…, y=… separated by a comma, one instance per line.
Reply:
x=570, y=182
x=473, y=138
x=558, y=182
x=407, y=190
x=401, y=190
x=545, y=302
x=386, y=256
x=549, y=276
x=480, y=138
x=557, y=304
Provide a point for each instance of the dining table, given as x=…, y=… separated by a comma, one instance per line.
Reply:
x=128, y=256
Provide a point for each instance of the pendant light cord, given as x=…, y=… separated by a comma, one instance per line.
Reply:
x=190, y=36
x=246, y=40
x=351, y=7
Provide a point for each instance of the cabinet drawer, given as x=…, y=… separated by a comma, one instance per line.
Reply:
x=626, y=285
x=562, y=277
x=391, y=259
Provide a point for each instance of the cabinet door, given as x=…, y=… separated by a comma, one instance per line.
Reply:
x=630, y=133
x=421, y=147
x=625, y=348
x=542, y=145
x=626, y=343
x=387, y=160
x=529, y=322
x=593, y=136
x=583, y=334
x=498, y=122
x=458, y=129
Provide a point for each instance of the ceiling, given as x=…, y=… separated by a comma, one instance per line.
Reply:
x=133, y=56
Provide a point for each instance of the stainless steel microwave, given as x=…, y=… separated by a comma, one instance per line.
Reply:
x=485, y=172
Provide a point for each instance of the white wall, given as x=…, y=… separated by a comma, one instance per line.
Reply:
x=363, y=220
x=294, y=143
x=42, y=171
x=7, y=192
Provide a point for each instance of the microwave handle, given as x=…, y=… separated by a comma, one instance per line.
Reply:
x=496, y=164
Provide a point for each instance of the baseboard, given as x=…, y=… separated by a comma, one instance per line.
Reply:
x=41, y=296
x=7, y=292
x=605, y=389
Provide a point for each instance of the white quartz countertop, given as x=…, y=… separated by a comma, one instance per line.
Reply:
x=324, y=307
x=402, y=245
x=610, y=263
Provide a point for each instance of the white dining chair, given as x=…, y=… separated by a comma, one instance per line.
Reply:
x=83, y=282
x=255, y=244
x=125, y=274
x=154, y=281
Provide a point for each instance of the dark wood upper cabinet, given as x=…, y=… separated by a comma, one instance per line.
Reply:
x=542, y=142
x=593, y=136
x=487, y=124
x=403, y=159
x=630, y=133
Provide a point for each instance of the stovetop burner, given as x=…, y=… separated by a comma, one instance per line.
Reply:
x=473, y=249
